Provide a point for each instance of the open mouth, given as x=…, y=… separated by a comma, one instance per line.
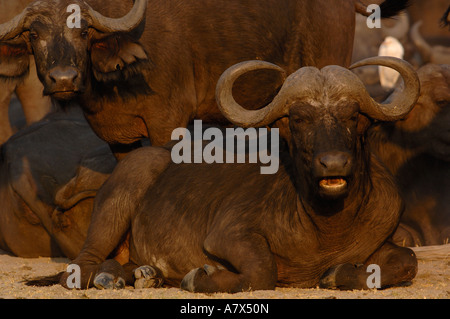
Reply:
x=64, y=95
x=333, y=184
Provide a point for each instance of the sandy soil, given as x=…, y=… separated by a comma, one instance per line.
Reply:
x=431, y=282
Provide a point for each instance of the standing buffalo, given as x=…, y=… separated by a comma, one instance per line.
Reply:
x=152, y=70
x=321, y=219
x=49, y=175
x=417, y=151
x=18, y=74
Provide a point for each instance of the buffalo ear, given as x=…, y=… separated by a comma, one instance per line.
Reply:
x=14, y=59
x=363, y=124
x=113, y=58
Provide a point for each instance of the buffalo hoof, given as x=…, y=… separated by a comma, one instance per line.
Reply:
x=108, y=281
x=146, y=277
x=343, y=277
x=188, y=282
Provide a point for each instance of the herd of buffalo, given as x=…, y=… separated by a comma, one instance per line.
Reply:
x=87, y=115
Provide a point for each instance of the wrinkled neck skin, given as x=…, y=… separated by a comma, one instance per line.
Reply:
x=342, y=211
x=394, y=147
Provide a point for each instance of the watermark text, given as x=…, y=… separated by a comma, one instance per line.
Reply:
x=237, y=146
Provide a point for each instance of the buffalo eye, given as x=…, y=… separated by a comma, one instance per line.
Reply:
x=303, y=121
x=84, y=34
x=34, y=35
x=442, y=103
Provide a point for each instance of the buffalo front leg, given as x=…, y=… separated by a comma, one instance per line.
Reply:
x=245, y=264
x=115, y=205
x=390, y=265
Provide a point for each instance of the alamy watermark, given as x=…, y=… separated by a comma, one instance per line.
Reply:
x=374, y=280
x=74, y=20
x=238, y=145
x=374, y=20
x=74, y=279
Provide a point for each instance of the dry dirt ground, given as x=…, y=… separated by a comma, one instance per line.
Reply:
x=431, y=282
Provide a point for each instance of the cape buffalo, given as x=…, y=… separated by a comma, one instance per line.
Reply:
x=49, y=175
x=322, y=219
x=152, y=70
x=18, y=74
x=417, y=151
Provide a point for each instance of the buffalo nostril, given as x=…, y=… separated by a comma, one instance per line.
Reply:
x=323, y=161
x=65, y=75
x=334, y=161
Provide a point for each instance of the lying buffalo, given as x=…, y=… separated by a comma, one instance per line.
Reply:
x=320, y=220
x=146, y=72
x=417, y=151
x=21, y=78
x=49, y=175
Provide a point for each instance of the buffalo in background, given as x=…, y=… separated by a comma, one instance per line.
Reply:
x=20, y=79
x=49, y=175
x=419, y=31
x=417, y=151
x=144, y=72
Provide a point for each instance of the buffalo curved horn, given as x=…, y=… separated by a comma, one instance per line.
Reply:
x=18, y=24
x=296, y=87
x=235, y=112
x=293, y=88
x=422, y=45
x=399, y=103
x=125, y=24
